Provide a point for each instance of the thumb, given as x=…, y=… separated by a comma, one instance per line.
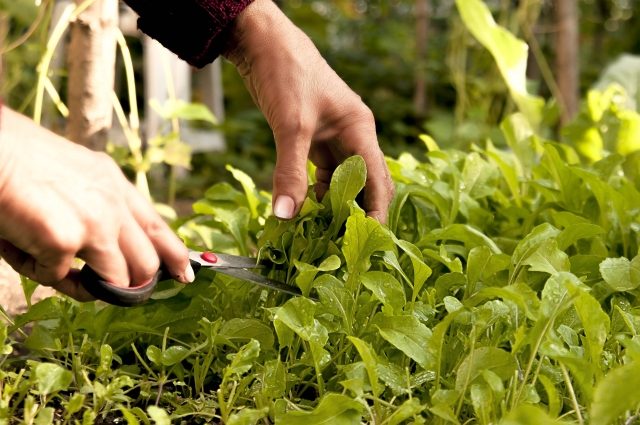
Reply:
x=290, y=181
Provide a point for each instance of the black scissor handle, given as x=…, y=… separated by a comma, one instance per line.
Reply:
x=123, y=297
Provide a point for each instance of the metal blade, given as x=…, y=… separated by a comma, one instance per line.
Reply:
x=263, y=281
x=226, y=261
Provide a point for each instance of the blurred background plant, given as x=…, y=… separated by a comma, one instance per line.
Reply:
x=414, y=62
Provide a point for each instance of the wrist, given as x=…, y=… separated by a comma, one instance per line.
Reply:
x=256, y=32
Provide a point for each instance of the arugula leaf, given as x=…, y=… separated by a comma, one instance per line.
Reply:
x=620, y=273
x=347, y=181
x=334, y=408
x=407, y=334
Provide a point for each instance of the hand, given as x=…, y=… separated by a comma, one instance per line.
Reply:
x=312, y=112
x=59, y=201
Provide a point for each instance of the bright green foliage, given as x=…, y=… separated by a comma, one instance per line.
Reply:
x=497, y=303
x=509, y=53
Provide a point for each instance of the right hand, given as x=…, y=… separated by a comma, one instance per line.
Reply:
x=60, y=201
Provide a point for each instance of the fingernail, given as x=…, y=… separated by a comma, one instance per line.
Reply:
x=283, y=208
x=189, y=275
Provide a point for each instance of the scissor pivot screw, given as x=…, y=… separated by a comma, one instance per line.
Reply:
x=209, y=257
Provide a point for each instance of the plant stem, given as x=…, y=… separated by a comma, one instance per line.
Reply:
x=574, y=399
x=70, y=13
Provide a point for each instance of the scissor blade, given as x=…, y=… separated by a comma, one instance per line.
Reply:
x=260, y=280
x=226, y=261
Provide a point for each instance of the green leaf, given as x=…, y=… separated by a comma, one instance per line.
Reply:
x=407, y=334
x=555, y=404
x=575, y=232
x=621, y=274
x=175, y=152
x=141, y=415
x=530, y=245
x=548, y=259
x=52, y=378
x=28, y=287
x=526, y=414
x=595, y=321
x=46, y=309
x=306, y=274
x=421, y=271
x=363, y=237
x=568, y=183
x=235, y=220
x=249, y=189
x=174, y=355
x=370, y=360
x=298, y=315
x=183, y=110
x=406, y=410
x=386, y=288
x=347, y=181
x=478, y=176
x=74, y=405
x=618, y=392
x=274, y=379
x=243, y=360
x=509, y=53
x=471, y=237
x=443, y=411
x=159, y=415
x=248, y=416
x=335, y=298
x=241, y=330
x=334, y=409
x=498, y=361
x=45, y=416
x=154, y=354
x=476, y=263
x=613, y=206
x=40, y=339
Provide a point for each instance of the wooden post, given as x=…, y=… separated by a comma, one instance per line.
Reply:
x=91, y=60
x=422, y=35
x=567, y=56
x=4, y=32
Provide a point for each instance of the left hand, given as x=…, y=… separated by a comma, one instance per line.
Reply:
x=312, y=112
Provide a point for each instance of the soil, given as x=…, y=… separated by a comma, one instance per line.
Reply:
x=11, y=294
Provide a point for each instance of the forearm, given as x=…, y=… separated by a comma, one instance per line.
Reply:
x=196, y=30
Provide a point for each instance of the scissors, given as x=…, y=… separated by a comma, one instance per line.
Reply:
x=230, y=265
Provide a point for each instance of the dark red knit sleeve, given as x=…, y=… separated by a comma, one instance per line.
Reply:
x=195, y=30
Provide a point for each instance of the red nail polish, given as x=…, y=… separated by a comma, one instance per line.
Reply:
x=209, y=257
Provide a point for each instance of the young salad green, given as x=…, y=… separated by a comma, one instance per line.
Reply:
x=504, y=290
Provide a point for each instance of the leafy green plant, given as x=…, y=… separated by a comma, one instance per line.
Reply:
x=502, y=290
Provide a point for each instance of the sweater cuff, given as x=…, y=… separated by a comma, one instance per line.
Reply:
x=195, y=30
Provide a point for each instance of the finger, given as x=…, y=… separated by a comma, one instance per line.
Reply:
x=379, y=188
x=72, y=287
x=47, y=270
x=107, y=260
x=141, y=257
x=23, y=264
x=290, y=180
x=172, y=252
x=323, y=182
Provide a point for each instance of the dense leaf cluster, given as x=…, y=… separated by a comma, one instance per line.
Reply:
x=504, y=289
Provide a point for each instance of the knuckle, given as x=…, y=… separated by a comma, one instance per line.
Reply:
x=155, y=227
x=363, y=112
x=298, y=127
x=51, y=275
x=147, y=271
x=287, y=173
x=62, y=243
x=391, y=191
